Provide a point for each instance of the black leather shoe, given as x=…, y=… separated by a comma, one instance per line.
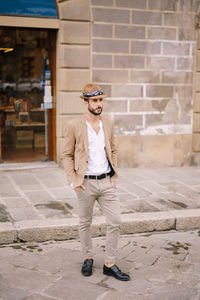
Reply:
x=115, y=272
x=87, y=267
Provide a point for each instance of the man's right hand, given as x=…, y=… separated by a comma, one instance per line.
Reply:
x=77, y=188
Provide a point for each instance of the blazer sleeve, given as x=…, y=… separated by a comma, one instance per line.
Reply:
x=68, y=152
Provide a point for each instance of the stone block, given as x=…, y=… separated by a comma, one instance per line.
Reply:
x=70, y=103
x=163, y=5
x=176, y=48
x=102, y=61
x=195, y=159
x=148, y=105
x=185, y=106
x=127, y=90
x=186, y=92
x=111, y=46
x=48, y=229
x=197, y=102
x=198, y=39
x=9, y=190
x=154, y=150
x=160, y=63
x=143, y=47
x=147, y=222
x=127, y=124
x=25, y=213
x=8, y=233
x=141, y=4
x=196, y=142
x=185, y=63
x=129, y=61
x=75, y=10
x=74, y=32
x=186, y=34
x=111, y=15
x=159, y=91
x=160, y=33
x=19, y=202
x=146, y=18
x=128, y=149
x=187, y=218
x=194, y=48
x=129, y=32
x=197, y=81
x=107, y=89
x=110, y=76
x=196, y=122
x=153, y=120
x=173, y=19
x=102, y=2
x=73, y=80
x=62, y=121
x=102, y=30
x=189, y=6
x=75, y=56
x=198, y=60
x=177, y=77
x=114, y=106
x=145, y=76
x=179, y=20
x=172, y=115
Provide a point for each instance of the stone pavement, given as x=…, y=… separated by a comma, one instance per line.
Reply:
x=36, y=203
x=163, y=266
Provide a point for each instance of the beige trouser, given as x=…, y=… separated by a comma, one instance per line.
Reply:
x=106, y=195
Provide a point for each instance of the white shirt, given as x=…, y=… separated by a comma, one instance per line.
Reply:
x=97, y=159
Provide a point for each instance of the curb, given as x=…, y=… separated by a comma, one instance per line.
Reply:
x=27, y=166
x=57, y=229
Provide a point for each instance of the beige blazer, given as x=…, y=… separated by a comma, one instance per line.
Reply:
x=75, y=154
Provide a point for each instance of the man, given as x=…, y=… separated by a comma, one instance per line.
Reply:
x=90, y=162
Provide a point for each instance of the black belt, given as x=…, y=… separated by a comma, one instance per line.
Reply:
x=97, y=176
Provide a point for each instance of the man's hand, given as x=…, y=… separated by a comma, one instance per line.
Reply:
x=113, y=182
x=79, y=187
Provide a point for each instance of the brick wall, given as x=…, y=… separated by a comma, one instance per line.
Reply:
x=143, y=54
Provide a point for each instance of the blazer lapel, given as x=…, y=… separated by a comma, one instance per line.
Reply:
x=105, y=129
x=84, y=133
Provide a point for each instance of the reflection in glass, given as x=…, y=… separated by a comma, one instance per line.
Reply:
x=23, y=53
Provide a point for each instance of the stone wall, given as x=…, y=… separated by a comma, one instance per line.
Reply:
x=196, y=116
x=73, y=62
x=142, y=53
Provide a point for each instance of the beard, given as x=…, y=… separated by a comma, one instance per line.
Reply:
x=94, y=111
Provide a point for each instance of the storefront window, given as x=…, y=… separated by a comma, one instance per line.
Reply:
x=23, y=55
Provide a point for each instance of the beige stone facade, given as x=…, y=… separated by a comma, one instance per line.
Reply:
x=145, y=56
